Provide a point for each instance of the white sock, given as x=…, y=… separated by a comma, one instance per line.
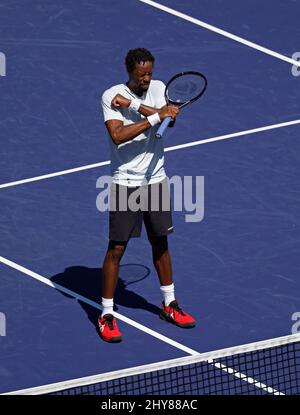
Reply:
x=107, y=306
x=168, y=293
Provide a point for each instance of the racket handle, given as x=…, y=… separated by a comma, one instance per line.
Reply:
x=163, y=127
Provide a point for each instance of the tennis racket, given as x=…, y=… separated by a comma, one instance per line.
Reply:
x=181, y=90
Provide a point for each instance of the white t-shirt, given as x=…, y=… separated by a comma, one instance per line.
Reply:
x=140, y=160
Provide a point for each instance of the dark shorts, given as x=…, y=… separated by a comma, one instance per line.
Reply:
x=131, y=206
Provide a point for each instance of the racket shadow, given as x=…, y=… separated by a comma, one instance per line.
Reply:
x=87, y=283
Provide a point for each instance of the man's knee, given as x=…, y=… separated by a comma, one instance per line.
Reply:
x=158, y=242
x=116, y=250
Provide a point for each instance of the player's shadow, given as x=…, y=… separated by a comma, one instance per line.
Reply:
x=86, y=282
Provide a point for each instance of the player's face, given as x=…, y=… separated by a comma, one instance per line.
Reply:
x=142, y=75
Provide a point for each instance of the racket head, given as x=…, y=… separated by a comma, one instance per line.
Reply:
x=185, y=87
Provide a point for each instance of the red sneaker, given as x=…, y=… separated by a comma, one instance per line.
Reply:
x=108, y=329
x=174, y=314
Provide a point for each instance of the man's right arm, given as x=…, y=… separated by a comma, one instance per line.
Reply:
x=121, y=133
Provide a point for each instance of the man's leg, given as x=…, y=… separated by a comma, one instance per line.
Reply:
x=162, y=262
x=158, y=223
x=110, y=269
x=161, y=258
x=123, y=225
x=110, y=272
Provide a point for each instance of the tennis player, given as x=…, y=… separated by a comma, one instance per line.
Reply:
x=132, y=114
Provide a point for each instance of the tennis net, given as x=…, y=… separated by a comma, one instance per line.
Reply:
x=267, y=367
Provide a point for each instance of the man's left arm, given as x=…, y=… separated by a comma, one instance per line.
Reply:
x=120, y=101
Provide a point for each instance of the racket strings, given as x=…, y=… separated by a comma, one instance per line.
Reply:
x=185, y=88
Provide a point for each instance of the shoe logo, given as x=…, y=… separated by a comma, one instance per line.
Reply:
x=101, y=327
x=172, y=315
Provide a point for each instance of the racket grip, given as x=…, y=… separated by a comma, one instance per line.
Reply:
x=163, y=127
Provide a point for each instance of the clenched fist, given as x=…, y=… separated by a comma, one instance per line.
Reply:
x=120, y=101
x=169, y=111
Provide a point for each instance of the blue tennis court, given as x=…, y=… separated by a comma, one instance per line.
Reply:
x=236, y=270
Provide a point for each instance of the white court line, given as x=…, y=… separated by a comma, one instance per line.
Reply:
x=246, y=378
x=59, y=173
x=167, y=149
x=133, y=323
x=226, y=136
x=127, y=320
x=221, y=32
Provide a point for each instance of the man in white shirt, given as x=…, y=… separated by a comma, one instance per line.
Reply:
x=132, y=114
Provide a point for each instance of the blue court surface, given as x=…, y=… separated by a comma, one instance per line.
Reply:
x=236, y=271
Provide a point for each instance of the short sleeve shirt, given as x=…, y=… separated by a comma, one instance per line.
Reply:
x=140, y=160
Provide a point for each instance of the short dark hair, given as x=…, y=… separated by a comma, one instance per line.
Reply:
x=136, y=56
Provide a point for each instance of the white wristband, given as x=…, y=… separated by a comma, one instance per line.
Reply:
x=154, y=119
x=134, y=105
